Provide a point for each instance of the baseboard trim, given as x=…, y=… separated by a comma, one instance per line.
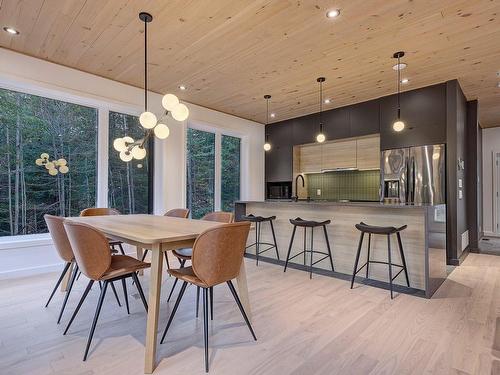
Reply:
x=459, y=261
x=29, y=271
x=342, y=276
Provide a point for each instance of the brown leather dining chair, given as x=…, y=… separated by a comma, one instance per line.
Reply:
x=104, y=211
x=216, y=259
x=185, y=254
x=182, y=213
x=90, y=248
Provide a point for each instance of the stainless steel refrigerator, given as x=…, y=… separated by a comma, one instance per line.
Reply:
x=414, y=175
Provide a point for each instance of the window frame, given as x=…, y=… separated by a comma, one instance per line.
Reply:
x=103, y=107
x=219, y=132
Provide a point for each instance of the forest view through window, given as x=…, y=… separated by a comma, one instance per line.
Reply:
x=31, y=125
x=200, y=172
x=230, y=172
x=128, y=182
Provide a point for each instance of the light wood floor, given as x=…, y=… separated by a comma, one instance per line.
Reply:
x=303, y=326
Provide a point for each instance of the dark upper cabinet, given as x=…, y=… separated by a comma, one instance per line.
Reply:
x=279, y=158
x=424, y=113
x=364, y=118
x=336, y=123
x=304, y=129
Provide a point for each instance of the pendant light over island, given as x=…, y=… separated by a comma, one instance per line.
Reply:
x=399, y=125
x=267, y=145
x=320, y=138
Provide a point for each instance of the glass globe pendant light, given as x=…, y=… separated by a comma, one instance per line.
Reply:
x=153, y=126
x=267, y=145
x=320, y=138
x=399, y=125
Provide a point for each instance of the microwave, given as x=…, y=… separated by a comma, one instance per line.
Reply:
x=279, y=190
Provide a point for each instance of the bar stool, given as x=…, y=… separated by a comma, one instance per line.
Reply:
x=258, y=220
x=387, y=231
x=298, y=222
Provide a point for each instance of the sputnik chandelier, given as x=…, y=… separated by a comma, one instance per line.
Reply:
x=134, y=149
x=53, y=167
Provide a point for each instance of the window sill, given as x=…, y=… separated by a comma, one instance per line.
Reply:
x=27, y=240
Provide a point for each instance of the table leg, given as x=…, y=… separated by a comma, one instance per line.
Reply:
x=241, y=279
x=154, y=308
x=65, y=280
x=140, y=252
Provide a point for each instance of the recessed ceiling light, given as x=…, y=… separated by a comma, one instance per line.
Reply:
x=273, y=115
x=404, y=81
x=498, y=84
x=182, y=87
x=10, y=30
x=327, y=101
x=399, y=66
x=333, y=13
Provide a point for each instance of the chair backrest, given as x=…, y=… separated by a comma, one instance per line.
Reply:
x=219, y=216
x=218, y=252
x=90, y=247
x=59, y=236
x=178, y=212
x=99, y=211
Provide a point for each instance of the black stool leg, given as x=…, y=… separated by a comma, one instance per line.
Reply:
x=311, y=264
x=305, y=242
x=403, y=260
x=274, y=239
x=257, y=240
x=389, y=261
x=328, y=247
x=357, y=258
x=368, y=256
x=290, y=247
x=66, y=267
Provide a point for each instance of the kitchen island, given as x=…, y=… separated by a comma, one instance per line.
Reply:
x=424, y=240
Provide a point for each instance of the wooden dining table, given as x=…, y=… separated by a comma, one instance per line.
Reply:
x=158, y=234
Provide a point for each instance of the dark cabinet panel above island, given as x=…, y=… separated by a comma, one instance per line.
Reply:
x=279, y=158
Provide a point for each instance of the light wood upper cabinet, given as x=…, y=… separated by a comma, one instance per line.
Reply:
x=368, y=152
x=339, y=154
x=310, y=158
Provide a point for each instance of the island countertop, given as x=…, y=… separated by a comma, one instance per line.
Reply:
x=424, y=239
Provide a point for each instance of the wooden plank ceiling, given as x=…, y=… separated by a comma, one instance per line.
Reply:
x=230, y=53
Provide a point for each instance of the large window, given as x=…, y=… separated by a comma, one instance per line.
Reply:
x=200, y=179
x=128, y=183
x=230, y=172
x=29, y=126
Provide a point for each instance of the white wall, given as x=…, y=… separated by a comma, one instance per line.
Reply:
x=491, y=144
x=23, y=73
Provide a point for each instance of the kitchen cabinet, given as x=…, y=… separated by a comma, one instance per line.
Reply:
x=279, y=158
x=368, y=153
x=336, y=124
x=339, y=154
x=310, y=158
x=364, y=118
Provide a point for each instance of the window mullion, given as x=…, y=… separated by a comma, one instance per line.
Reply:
x=102, y=157
x=218, y=182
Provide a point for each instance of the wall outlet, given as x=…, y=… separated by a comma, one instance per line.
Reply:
x=318, y=192
x=460, y=194
x=460, y=183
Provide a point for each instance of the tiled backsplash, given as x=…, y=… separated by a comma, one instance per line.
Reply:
x=354, y=185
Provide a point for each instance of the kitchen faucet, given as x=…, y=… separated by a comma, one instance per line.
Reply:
x=296, y=197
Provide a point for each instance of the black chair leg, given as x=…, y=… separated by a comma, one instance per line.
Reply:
x=211, y=303
x=65, y=269
x=290, y=248
x=197, y=300
x=274, y=239
x=328, y=247
x=177, y=302
x=166, y=261
x=78, y=277
x=87, y=290
x=368, y=256
x=139, y=289
x=183, y=262
x=70, y=286
x=390, y=263
x=205, y=325
x=121, y=249
x=116, y=294
x=144, y=255
x=311, y=264
x=124, y=284
x=357, y=258
x=240, y=306
x=96, y=317
x=403, y=260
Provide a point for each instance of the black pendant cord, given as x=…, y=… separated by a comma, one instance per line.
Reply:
x=145, y=65
x=267, y=97
x=321, y=107
x=399, y=87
